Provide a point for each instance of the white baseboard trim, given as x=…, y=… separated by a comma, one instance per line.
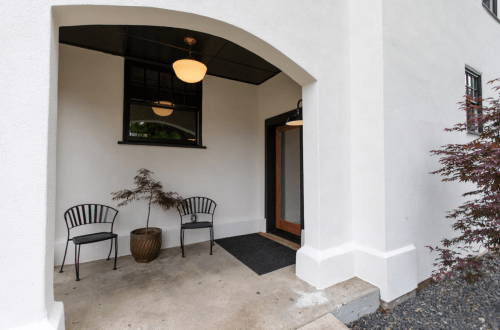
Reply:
x=170, y=238
x=53, y=321
x=325, y=268
x=394, y=272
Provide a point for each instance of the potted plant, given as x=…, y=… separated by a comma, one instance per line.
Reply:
x=145, y=243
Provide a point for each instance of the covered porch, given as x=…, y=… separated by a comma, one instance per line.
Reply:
x=102, y=99
x=201, y=292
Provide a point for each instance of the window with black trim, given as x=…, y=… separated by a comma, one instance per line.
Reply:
x=492, y=6
x=473, y=92
x=160, y=109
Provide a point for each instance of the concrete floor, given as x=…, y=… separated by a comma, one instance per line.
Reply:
x=197, y=292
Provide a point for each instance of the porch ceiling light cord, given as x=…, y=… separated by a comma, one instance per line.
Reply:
x=189, y=70
x=297, y=119
x=164, y=112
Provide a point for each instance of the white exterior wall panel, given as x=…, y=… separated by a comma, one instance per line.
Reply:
x=427, y=45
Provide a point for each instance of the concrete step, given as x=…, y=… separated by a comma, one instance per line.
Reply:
x=357, y=302
x=326, y=322
x=347, y=302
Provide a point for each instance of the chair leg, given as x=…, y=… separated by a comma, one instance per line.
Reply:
x=182, y=242
x=77, y=261
x=180, y=238
x=213, y=236
x=111, y=249
x=116, y=250
x=64, y=259
x=211, y=240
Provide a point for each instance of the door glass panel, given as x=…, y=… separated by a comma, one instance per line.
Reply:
x=290, y=175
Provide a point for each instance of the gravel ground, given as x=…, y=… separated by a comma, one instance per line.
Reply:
x=450, y=304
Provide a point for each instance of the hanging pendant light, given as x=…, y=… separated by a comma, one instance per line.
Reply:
x=189, y=70
x=296, y=120
x=164, y=112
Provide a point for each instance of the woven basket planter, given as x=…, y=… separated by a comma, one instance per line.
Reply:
x=145, y=248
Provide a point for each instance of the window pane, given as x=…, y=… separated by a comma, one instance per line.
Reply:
x=136, y=92
x=151, y=94
x=137, y=75
x=151, y=78
x=191, y=100
x=178, y=127
x=192, y=88
x=179, y=99
x=165, y=95
x=178, y=84
x=473, y=89
x=165, y=80
x=161, y=124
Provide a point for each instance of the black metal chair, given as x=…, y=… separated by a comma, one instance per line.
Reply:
x=87, y=214
x=197, y=205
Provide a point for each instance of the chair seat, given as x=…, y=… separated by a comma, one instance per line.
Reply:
x=196, y=225
x=91, y=238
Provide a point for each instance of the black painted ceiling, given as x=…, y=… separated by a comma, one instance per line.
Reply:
x=163, y=45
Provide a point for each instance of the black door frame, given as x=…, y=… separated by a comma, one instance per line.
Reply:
x=270, y=174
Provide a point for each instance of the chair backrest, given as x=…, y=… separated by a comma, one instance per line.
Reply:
x=196, y=205
x=86, y=214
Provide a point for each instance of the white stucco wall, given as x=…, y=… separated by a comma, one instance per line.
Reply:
x=427, y=45
x=420, y=49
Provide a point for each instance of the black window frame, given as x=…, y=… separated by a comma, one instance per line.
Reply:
x=128, y=101
x=492, y=6
x=475, y=91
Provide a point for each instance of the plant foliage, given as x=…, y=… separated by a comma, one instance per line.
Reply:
x=477, y=162
x=149, y=190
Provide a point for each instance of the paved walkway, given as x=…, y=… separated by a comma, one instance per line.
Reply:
x=197, y=292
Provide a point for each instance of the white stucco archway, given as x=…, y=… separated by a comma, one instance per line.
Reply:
x=114, y=15
x=300, y=52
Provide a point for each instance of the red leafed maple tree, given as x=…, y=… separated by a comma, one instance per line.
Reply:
x=478, y=219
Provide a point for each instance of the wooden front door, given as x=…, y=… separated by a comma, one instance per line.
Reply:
x=288, y=175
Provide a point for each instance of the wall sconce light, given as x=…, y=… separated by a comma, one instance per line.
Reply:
x=296, y=120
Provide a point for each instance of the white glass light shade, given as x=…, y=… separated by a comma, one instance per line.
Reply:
x=189, y=70
x=295, y=123
x=163, y=111
x=295, y=120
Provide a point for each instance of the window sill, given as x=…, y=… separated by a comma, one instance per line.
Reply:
x=491, y=13
x=162, y=144
x=473, y=133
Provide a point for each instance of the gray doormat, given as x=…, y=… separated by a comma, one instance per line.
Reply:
x=260, y=254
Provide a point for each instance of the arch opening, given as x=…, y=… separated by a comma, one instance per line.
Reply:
x=293, y=75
